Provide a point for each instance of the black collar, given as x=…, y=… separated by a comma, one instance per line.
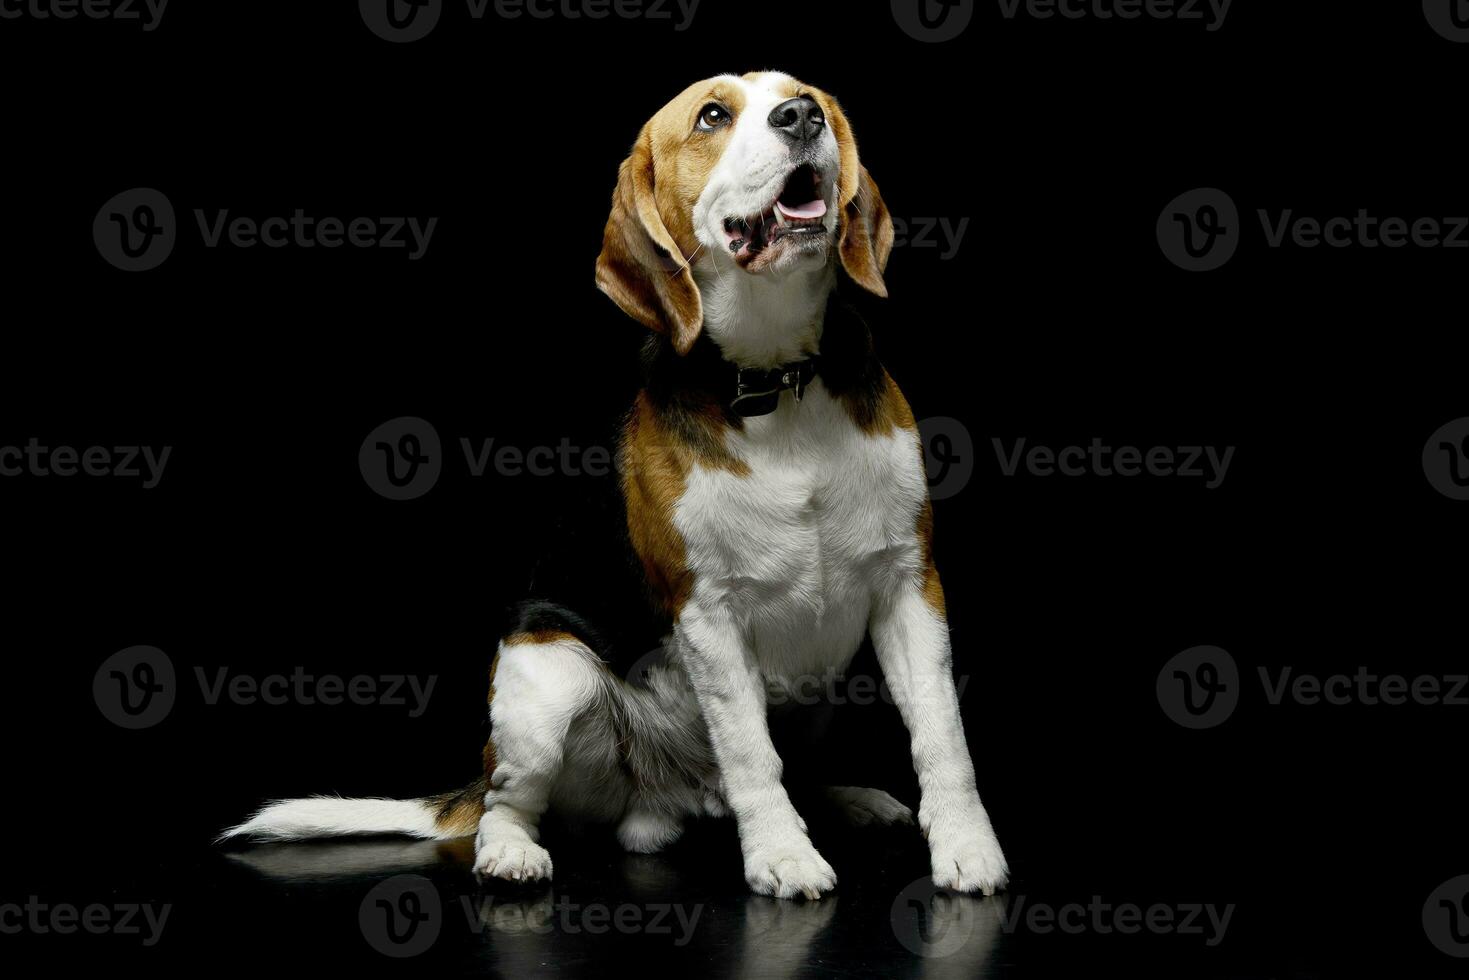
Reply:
x=757, y=391
x=691, y=384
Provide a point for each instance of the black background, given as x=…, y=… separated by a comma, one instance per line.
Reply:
x=1059, y=320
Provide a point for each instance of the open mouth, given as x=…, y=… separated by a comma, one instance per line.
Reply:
x=796, y=216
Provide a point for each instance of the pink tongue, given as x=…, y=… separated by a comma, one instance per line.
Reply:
x=809, y=210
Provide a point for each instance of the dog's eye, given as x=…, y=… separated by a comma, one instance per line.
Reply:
x=712, y=117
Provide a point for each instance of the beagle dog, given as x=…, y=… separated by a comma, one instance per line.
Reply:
x=777, y=507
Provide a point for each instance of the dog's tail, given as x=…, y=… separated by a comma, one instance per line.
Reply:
x=441, y=817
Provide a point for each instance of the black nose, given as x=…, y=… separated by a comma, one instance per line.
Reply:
x=799, y=120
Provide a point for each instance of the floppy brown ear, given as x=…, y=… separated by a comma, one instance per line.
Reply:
x=641, y=267
x=866, y=232
x=867, y=238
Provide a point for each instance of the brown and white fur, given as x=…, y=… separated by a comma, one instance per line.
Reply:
x=773, y=544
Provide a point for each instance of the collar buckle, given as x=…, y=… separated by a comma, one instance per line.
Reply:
x=757, y=390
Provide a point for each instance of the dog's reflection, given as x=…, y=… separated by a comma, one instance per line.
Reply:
x=774, y=939
x=940, y=936
x=944, y=936
x=778, y=936
x=317, y=861
x=951, y=936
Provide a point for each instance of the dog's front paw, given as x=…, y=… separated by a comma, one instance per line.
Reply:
x=512, y=860
x=787, y=869
x=969, y=861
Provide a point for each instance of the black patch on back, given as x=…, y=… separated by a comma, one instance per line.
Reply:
x=588, y=581
x=538, y=615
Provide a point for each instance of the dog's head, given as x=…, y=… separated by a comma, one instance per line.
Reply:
x=755, y=175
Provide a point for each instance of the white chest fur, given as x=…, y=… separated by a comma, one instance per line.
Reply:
x=796, y=547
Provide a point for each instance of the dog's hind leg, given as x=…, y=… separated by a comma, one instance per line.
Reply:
x=667, y=754
x=861, y=806
x=549, y=698
x=645, y=830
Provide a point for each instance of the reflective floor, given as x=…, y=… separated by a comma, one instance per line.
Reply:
x=389, y=906
x=682, y=913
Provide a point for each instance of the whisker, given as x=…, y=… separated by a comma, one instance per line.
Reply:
x=688, y=263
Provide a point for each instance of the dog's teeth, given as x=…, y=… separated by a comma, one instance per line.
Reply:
x=780, y=218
